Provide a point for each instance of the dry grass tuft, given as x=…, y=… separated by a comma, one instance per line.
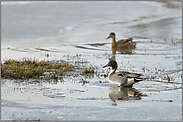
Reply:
x=31, y=69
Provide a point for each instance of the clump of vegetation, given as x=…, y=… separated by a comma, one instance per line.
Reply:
x=32, y=119
x=31, y=69
x=88, y=70
x=168, y=78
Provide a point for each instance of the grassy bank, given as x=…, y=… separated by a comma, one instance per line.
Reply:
x=33, y=69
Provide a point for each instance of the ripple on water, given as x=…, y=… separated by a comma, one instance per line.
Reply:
x=144, y=47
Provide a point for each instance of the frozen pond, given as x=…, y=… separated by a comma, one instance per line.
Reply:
x=76, y=32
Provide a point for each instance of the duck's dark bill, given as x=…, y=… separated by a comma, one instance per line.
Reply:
x=105, y=66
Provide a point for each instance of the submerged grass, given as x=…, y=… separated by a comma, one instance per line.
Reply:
x=88, y=70
x=31, y=69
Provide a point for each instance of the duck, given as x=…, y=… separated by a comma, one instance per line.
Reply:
x=122, y=78
x=124, y=43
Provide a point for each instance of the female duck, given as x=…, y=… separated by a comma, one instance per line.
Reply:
x=122, y=78
x=125, y=43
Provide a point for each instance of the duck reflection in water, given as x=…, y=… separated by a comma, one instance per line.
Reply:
x=124, y=93
x=122, y=51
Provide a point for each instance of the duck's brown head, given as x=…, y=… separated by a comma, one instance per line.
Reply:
x=111, y=63
x=111, y=35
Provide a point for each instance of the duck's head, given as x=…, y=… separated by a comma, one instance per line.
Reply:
x=111, y=63
x=111, y=35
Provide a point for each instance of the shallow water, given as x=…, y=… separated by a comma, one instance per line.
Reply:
x=79, y=36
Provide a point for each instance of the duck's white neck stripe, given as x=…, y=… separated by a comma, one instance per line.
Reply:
x=112, y=71
x=112, y=82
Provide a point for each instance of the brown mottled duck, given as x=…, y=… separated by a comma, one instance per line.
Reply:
x=124, y=43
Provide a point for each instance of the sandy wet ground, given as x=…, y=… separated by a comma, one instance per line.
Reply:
x=157, y=56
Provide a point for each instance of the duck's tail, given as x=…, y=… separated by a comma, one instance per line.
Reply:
x=137, y=79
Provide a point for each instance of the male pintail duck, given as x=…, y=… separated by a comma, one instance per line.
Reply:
x=125, y=43
x=122, y=78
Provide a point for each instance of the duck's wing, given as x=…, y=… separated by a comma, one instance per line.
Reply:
x=122, y=41
x=126, y=43
x=128, y=74
x=127, y=79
